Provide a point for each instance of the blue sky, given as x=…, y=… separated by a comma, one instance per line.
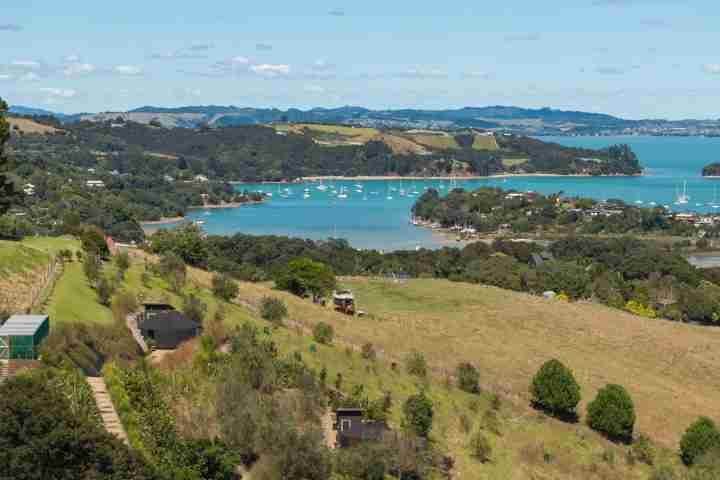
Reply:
x=634, y=58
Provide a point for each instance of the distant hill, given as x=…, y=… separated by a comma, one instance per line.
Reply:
x=527, y=121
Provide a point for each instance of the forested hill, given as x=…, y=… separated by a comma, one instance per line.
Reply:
x=288, y=151
x=712, y=170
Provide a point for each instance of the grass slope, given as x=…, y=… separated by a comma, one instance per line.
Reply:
x=26, y=125
x=507, y=335
x=22, y=267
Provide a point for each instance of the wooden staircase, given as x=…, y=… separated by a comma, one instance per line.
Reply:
x=4, y=370
x=109, y=416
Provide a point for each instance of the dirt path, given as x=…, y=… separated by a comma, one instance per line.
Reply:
x=109, y=416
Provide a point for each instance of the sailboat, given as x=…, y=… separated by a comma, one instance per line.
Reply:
x=342, y=193
x=322, y=187
x=714, y=203
x=683, y=198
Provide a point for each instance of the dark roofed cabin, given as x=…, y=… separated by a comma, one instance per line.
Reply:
x=166, y=327
x=352, y=429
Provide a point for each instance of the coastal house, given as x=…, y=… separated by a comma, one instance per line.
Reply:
x=352, y=428
x=95, y=184
x=165, y=327
x=29, y=189
x=201, y=179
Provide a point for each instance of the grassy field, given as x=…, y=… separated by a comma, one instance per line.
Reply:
x=17, y=258
x=438, y=142
x=485, y=142
x=511, y=162
x=22, y=269
x=354, y=134
x=25, y=125
x=670, y=369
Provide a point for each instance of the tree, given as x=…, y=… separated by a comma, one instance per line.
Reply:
x=273, y=310
x=612, y=412
x=224, y=287
x=93, y=242
x=92, y=268
x=701, y=437
x=555, y=389
x=41, y=436
x=105, y=291
x=194, y=309
x=174, y=270
x=306, y=277
x=122, y=261
x=7, y=188
x=323, y=333
x=418, y=414
x=468, y=378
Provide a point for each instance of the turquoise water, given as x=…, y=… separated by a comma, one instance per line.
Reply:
x=368, y=218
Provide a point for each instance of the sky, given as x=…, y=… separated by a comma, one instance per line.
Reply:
x=631, y=58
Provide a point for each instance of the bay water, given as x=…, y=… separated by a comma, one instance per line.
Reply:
x=376, y=213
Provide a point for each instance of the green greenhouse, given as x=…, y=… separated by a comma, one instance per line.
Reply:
x=21, y=335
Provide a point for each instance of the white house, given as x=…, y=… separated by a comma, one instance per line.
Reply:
x=29, y=189
x=201, y=178
x=95, y=184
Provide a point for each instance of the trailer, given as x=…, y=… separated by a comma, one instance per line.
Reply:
x=344, y=301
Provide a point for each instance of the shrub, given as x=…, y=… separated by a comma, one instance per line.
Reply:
x=612, y=412
x=637, y=308
x=273, y=310
x=368, y=352
x=418, y=414
x=468, y=378
x=194, y=309
x=643, y=450
x=122, y=261
x=305, y=277
x=699, y=438
x=105, y=291
x=323, y=333
x=224, y=287
x=554, y=389
x=415, y=364
x=123, y=304
x=480, y=447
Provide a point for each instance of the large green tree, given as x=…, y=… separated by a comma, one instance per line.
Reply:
x=307, y=277
x=7, y=189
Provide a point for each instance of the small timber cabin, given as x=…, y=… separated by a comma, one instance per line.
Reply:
x=165, y=327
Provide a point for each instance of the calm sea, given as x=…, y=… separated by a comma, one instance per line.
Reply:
x=376, y=215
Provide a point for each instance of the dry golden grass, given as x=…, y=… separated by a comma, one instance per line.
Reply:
x=670, y=369
x=353, y=134
x=25, y=125
x=400, y=145
x=511, y=162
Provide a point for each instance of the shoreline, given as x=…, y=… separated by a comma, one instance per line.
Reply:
x=178, y=219
x=469, y=177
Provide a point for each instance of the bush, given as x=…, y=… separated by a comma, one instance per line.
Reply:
x=468, y=378
x=123, y=304
x=555, y=389
x=105, y=291
x=637, y=308
x=273, y=310
x=701, y=437
x=122, y=261
x=418, y=414
x=368, y=352
x=415, y=364
x=480, y=447
x=305, y=277
x=323, y=333
x=224, y=287
x=194, y=309
x=612, y=412
x=643, y=450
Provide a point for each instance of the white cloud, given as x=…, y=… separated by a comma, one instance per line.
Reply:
x=130, y=70
x=60, y=92
x=26, y=64
x=713, y=68
x=5, y=77
x=269, y=70
x=78, y=68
